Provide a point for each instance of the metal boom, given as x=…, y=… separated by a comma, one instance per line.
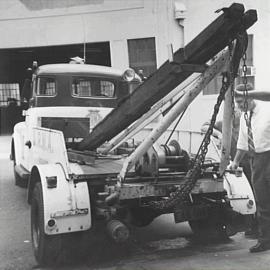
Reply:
x=199, y=51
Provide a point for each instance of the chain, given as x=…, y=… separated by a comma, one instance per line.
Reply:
x=244, y=67
x=181, y=194
x=232, y=76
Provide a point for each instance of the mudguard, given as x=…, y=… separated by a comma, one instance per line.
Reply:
x=239, y=193
x=17, y=140
x=66, y=204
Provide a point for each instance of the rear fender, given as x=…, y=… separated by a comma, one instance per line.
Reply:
x=66, y=204
x=239, y=193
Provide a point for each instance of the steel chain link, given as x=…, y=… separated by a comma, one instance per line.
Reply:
x=244, y=68
x=232, y=76
x=182, y=194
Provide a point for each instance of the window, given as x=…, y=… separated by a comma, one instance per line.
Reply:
x=9, y=92
x=46, y=86
x=142, y=55
x=93, y=87
x=214, y=86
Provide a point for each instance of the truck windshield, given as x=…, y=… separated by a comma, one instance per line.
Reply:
x=93, y=87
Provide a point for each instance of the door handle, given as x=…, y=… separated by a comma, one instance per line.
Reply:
x=29, y=144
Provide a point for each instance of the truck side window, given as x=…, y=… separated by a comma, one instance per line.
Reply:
x=46, y=86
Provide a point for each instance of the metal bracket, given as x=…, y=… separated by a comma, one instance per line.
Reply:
x=67, y=213
x=178, y=68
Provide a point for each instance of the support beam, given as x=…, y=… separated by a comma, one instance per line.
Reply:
x=178, y=108
x=226, y=131
x=199, y=51
x=159, y=108
x=239, y=49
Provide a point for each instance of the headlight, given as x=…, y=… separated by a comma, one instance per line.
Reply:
x=129, y=75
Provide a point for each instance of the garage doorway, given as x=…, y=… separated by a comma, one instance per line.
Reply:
x=13, y=71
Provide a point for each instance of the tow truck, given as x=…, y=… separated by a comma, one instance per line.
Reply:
x=86, y=156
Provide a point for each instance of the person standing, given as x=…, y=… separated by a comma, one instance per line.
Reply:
x=217, y=130
x=254, y=138
x=252, y=230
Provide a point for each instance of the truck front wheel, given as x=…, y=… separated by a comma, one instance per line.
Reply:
x=46, y=247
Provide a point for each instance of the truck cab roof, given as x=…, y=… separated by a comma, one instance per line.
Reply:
x=79, y=85
x=79, y=69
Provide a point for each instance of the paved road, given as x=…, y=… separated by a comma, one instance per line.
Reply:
x=161, y=245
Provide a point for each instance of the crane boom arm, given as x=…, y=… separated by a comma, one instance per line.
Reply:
x=199, y=51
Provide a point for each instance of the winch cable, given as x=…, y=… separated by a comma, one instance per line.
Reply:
x=181, y=115
x=175, y=126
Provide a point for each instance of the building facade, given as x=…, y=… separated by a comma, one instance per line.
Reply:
x=117, y=33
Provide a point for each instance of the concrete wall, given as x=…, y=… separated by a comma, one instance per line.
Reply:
x=30, y=23
x=202, y=12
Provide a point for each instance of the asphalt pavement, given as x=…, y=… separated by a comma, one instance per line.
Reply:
x=161, y=245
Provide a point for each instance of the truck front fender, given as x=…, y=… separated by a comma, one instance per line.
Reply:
x=66, y=204
x=17, y=143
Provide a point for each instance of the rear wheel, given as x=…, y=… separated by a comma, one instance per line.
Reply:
x=47, y=248
x=209, y=230
x=54, y=249
x=215, y=226
x=141, y=217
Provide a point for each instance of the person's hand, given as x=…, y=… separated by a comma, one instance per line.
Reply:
x=218, y=142
x=233, y=166
x=241, y=94
x=238, y=93
x=219, y=136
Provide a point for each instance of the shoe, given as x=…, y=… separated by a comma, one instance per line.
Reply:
x=259, y=247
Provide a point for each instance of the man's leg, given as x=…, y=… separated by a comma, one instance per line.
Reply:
x=261, y=186
x=252, y=231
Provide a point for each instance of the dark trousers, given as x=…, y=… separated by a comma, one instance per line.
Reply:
x=246, y=164
x=261, y=187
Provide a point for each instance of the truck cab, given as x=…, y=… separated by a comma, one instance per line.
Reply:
x=71, y=98
x=70, y=189
x=75, y=188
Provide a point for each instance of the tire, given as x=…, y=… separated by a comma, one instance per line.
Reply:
x=54, y=249
x=47, y=248
x=209, y=230
x=141, y=217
